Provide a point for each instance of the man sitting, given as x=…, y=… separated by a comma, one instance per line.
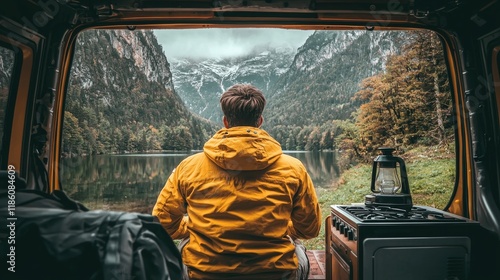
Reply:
x=241, y=204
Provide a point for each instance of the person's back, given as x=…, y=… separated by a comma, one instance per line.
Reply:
x=243, y=198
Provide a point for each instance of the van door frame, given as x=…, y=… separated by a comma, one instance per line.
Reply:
x=21, y=95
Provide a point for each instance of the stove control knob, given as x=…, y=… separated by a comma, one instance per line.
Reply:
x=346, y=230
x=350, y=234
x=342, y=228
x=337, y=224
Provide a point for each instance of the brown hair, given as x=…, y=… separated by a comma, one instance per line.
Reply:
x=242, y=104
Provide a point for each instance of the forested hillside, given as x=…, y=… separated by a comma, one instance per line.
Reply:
x=356, y=91
x=316, y=92
x=408, y=104
x=121, y=98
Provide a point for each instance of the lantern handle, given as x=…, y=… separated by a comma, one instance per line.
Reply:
x=374, y=174
x=405, y=186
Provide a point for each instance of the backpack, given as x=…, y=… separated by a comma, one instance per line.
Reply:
x=51, y=236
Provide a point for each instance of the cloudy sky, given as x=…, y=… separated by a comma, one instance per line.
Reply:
x=201, y=43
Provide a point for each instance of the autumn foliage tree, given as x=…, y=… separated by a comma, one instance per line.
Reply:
x=410, y=103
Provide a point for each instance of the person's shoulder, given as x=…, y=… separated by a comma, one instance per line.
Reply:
x=195, y=156
x=289, y=158
x=192, y=159
x=292, y=162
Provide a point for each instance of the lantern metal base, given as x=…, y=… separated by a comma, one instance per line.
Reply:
x=399, y=200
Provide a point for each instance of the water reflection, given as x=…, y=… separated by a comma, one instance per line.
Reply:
x=321, y=166
x=132, y=182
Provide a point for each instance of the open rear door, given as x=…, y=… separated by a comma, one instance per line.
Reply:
x=478, y=31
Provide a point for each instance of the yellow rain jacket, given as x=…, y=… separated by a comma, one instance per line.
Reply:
x=238, y=201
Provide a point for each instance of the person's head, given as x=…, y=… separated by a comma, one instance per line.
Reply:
x=242, y=105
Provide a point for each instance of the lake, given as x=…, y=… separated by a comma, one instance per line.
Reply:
x=132, y=182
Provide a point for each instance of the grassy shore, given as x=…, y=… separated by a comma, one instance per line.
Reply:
x=431, y=175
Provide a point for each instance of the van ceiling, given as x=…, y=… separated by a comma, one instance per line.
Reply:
x=232, y=13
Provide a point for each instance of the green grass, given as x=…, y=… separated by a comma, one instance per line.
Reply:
x=431, y=183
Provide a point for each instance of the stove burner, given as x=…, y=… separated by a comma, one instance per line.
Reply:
x=385, y=213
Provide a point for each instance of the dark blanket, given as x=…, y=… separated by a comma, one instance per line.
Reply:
x=58, y=238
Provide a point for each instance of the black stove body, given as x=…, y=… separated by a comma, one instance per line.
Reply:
x=383, y=243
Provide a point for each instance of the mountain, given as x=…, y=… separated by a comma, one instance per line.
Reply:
x=325, y=74
x=201, y=82
x=313, y=84
x=121, y=98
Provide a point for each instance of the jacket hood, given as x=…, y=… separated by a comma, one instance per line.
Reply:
x=242, y=148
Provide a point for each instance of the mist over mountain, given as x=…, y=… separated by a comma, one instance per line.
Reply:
x=200, y=82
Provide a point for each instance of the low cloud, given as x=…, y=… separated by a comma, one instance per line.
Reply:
x=225, y=42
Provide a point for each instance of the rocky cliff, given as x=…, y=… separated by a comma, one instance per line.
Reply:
x=121, y=97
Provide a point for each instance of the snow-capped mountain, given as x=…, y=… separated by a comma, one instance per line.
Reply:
x=200, y=83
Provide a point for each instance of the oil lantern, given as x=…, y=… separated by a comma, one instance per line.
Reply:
x=389, y=183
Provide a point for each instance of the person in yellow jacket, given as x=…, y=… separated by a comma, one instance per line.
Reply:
x=241, y=205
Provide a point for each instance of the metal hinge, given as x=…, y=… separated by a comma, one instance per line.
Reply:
x=104, y=10
x=419, y=13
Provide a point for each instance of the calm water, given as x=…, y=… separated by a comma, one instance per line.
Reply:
x=132, y=182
